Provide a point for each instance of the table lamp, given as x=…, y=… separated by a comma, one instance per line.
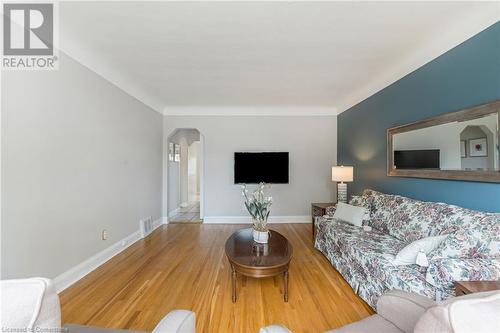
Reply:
x=342, y=174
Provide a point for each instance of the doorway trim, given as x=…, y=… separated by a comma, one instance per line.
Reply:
x=202, y=176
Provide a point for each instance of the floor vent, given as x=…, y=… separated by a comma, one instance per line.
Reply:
x=146, y=226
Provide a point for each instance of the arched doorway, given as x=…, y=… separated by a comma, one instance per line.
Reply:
x=483, y=137
x=185, y=176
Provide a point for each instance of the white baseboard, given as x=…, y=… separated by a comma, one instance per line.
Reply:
x=76, y=273
x=248, y=219
x=79, y=271
x=157, y=223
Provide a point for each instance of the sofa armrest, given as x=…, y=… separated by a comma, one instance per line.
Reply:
x=443, y=272
x=403, y=309
x=274, y=329
x=177, y=321
x=330, y=210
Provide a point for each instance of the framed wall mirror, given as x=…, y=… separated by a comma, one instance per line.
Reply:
x=461, y=145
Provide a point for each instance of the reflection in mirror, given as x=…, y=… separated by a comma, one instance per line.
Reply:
x=470, y=145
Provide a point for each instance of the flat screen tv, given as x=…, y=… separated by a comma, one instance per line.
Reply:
x=267, y=167
x=416, y=159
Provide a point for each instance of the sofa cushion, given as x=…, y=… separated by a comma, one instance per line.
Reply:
x=366, y=258
x=409, y=220
x=357, y=200
x=357, y=243
x=403, y=309
x=404, y=218
x=477, y=235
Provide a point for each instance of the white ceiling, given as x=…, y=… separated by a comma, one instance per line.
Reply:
x=240, y=57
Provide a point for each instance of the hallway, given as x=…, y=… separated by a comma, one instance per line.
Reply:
x=189, y=214
x=184, y=176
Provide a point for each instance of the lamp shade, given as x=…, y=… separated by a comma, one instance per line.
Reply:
x=342, y=173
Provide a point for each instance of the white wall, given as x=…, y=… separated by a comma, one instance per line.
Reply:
x=78, y=155
x=173, y=195
x=184, y=171
x=311, y=142
x=194, y=171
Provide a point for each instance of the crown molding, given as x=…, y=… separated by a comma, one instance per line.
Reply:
x=469, y=26
x=285, y=111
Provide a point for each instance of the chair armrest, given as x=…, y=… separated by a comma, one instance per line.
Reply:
x=177, y=321
x=403, y=309
x=274, y=329
x=29, y=304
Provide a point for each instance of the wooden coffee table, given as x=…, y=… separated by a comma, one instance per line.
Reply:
x=252, y=259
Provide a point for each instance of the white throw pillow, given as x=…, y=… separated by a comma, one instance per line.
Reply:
x=350, y=214
x=408, y=254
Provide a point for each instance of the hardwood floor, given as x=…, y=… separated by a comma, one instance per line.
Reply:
x=184, y=267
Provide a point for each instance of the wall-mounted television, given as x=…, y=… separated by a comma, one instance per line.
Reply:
x=416, y=159
x=267, y=167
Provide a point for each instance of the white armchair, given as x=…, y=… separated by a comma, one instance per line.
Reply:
x=403, y=312
x=32, y=305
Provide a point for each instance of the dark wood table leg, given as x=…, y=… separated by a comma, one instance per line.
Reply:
x=233, y=281
x=314, y=229
x=285, y=277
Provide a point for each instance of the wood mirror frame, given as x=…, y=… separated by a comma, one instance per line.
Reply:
x=462, y=115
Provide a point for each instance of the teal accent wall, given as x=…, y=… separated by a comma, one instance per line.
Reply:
x=465, y=76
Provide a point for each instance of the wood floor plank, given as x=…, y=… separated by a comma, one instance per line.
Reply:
x=183, y=266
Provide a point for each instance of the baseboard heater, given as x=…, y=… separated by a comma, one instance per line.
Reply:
x=146, y=226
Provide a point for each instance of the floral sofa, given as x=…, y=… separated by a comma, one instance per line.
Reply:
x=364, y=258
